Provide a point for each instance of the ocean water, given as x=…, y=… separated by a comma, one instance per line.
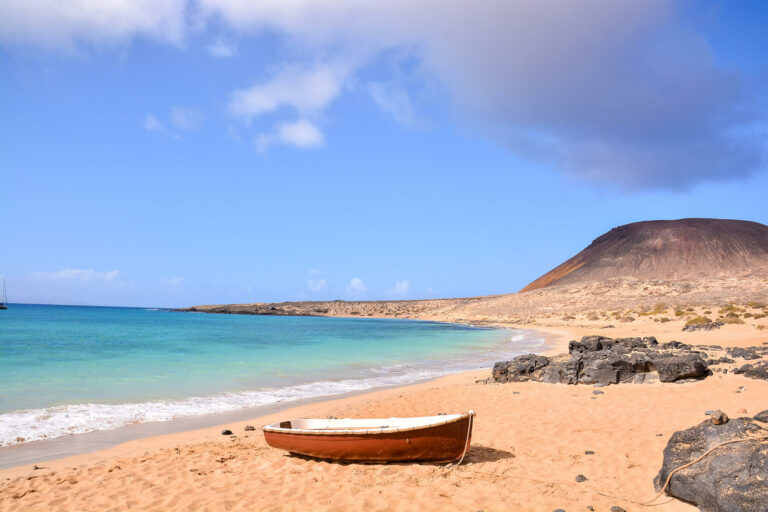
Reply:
x=74, y=369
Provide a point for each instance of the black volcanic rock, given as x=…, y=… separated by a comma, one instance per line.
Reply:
x=599, y=360
x=757, y=370
x=667, y=249
x=734, y=477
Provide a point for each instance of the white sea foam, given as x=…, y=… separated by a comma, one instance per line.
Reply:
x=32, y=425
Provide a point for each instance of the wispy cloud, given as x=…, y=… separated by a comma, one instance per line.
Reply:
x=316, y=284
x=307, y=90
x=401, y=288
x=186, y=118
x=301, y=134
x=153, y=124
x=395, y=101
x=78, y=274
x=221, y=50
x=356, y=286
x=173, y=282
x=63, y=26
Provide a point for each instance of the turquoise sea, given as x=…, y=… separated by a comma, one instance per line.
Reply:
x=74, y=369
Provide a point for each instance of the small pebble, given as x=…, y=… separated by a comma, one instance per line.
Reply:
x=659, y=435
x=558, y=510
x=597, y=392
x=590, y=508
x=581, y=478
x=617, y=509
x=226, y=432
x=589, y=452
x=248, y=428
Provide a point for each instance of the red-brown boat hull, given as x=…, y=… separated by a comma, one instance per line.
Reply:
x=440, y=443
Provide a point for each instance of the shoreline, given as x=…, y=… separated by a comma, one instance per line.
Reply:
x=73, y=445
x=530, y=441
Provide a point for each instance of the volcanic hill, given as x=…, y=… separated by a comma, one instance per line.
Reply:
x=677, y=263
x=675, y=250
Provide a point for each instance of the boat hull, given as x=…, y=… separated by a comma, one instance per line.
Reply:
x=439, y=443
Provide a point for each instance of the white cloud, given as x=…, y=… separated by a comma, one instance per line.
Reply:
x=642, y=102
x=186, y=118
x=401, y=288
x=302, y=134
x=314, y=272
x=153, y=124
x=173, y=281
x=62, y=25
x=316, y=284
x=395, y=101
x=356, y=286
x=220, y=49
x=78, y=274
x=305, y=90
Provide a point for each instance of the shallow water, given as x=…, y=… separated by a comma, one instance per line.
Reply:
x=74, y=369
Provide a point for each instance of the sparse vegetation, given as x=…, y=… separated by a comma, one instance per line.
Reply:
x=627, y=319
x=664, y=320
x=569, y=317
x=759, y=316
x=699, y=320
x=733, y=318
x=679, y=312
x=760, y=327
x=756, y=305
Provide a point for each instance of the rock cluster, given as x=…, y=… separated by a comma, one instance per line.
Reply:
x=757, y=370
x=703, y=327
x=731, y=478
x=746, y=353
x=601, y=360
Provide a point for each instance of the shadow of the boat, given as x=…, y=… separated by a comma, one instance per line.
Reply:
x=477, y=454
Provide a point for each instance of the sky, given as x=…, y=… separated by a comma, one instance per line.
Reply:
x=166, y=153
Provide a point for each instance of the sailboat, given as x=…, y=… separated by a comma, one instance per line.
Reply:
x=4, y=304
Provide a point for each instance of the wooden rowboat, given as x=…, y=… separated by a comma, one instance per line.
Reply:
x=442, y=438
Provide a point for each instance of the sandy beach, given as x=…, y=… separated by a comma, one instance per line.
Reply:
x=530, y=442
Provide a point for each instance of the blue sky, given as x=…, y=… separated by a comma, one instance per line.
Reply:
x=172, y=152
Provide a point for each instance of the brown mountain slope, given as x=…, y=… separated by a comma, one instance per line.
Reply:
x=667, y=249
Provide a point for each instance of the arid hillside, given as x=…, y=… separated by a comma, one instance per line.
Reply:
x=675, y=250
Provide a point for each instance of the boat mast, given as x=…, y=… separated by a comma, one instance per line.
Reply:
x=5, y=299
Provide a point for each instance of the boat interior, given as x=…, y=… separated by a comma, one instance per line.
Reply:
x=370, y=424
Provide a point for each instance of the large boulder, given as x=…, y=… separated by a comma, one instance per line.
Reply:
x=733, y=477
x=684, y=366
x=519, y=369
